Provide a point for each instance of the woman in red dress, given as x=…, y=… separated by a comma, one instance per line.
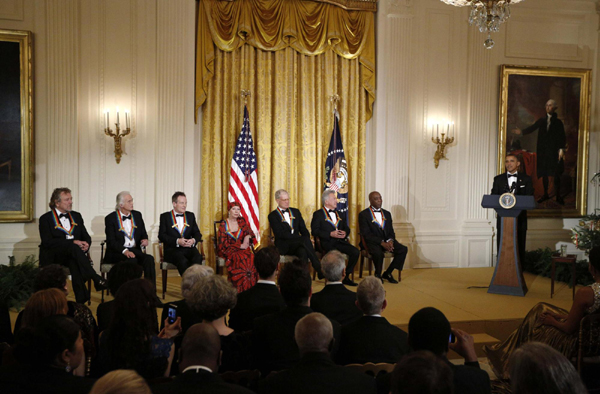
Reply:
x=234, y=247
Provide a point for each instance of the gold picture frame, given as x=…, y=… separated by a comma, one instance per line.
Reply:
x=557, y=163
x=16, y=120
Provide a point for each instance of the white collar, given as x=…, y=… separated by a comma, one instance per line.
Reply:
x=514, y=173
x=267, y=282
x=122, y=214
x=58, y=213
x=375, y=315
x=197, y=368
x=333, y=283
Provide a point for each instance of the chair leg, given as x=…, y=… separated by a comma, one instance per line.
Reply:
x=89, y=292
x=360, y=269
x=164, y=283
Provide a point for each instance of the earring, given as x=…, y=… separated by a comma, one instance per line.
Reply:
x=68, y=368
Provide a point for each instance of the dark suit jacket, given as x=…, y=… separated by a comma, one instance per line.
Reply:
x=53, y=238
x=524, y=187
x=17, y=379
x=104, y=314
x=370, y=229
x=273, y=345
x=549, y=141
x=198, y=382
x=168, y=235
x=115, y=239
x=320, y=227
x=260, y=300
x=283, y=231
x=316, y=374
x=337, y=303
x=371, y=339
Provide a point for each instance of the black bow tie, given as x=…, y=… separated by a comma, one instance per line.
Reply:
x=331, y=210
x=509, y=175
x=63, y=215
x=285, y=210
x=376, y=210
x=126, y=217
x=179, y=215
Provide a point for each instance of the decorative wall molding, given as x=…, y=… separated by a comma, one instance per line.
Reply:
x=12, y=10
x=399, y=8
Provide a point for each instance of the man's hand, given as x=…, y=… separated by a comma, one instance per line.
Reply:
x=129, y=254
x=342, y=234
x=388, y=246
x=144, y=243
x=338, y=234
x=464, y=345
x=183, y=242
x=561, y=154
x=517, y=131
x=82, y=245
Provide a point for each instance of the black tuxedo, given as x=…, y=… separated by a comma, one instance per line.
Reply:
x=297, y=243
x=317, y=374
x=374, y=235
x=168, y=235
x=115, y=243
x=202, y=381
x=273, y=345
x=321, y=227
x=371, y=339
x=260, y=300
x=337, y=303
x=523, y=187
x=28, y=379
x=57, y=249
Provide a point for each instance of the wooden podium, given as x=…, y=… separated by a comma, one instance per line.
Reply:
x=508, y=275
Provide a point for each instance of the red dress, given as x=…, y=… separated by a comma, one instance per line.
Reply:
x=239, y=262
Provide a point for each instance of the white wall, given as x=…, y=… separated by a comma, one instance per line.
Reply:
x=432, y=64
x=139, y=54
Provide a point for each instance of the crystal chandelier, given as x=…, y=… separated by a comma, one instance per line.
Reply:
x=487, y=15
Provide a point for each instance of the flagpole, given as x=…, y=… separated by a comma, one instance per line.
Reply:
x=334, y=100
x=245, y=95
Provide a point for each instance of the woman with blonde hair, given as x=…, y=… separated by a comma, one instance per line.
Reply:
x=121, y=381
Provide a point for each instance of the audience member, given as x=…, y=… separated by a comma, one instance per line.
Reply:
x=316, y=373
x=131, y=340
x=422, y=372
x=212, y=297
x=121, y=381
x=118, y=274
x=273, y=344
x=550, y=324
x=261, y=299
x=47, y=356
x=536, y=368
x=199, y=362
x=335, y=301
x=372, y=338
x=42, y=304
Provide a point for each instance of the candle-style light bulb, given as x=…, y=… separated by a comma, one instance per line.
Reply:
x=118, y=115
x=127, y=119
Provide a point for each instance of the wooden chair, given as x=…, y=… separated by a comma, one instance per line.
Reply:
x=589, y=341
x=246, y=378
x=104, y=268
x=284, y=258
x=219, y=261
x=320, y=253
x=89, y=282
x=371, y=369
x=365, y=254
x=165, y=266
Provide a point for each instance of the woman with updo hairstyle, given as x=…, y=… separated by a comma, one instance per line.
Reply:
x=235, y=237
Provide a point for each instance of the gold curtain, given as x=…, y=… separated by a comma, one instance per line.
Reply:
x=291, y=122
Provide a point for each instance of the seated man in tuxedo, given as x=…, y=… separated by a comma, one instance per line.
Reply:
x=273, y=345
x=377, y=229
x=261, y=299
x=519, y=184
x=335, y=301
x=199, y=361
x=372, y=338
x=126, y=236
x=333, y=232
x=316, y=373
x=65, y=241
x=180, y=234
x=291, y=235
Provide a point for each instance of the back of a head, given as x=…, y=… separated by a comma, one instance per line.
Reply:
x=121, y=381
x=121, y=273
x=422, y=372
x=594, y=257
x=370, y=295
x=332, y=265
x=192, y=275
x=44, y=303
x=536, y=368
x=201, y=345
x=134, y=308
x=295, y=283
x=266, y=261
x=52, y=276
x=211, y=297
x=313, y=333
x=429, y=329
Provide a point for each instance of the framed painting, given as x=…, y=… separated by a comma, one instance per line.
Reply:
x=16, y=126
x=544, y=120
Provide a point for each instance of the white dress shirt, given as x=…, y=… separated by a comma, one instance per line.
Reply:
x=65, y=222
x=287, y=218
x=378, y=216
x=127, y=226
x=511, y=179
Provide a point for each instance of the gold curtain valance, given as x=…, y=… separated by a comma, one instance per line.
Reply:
x=309, y=27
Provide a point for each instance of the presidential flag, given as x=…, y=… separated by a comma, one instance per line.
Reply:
x=336, y=169
x=243, y=180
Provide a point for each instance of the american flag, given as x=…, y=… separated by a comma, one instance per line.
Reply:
x=336, y=169
x=243, y=181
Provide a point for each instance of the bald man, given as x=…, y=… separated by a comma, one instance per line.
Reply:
x=377, y=229
x=199, y=365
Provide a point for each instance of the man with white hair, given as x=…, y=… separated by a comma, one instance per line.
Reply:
x=333, y=231
x=126, y=236
x=335, y=301
x=372, y=338
x=316, y=373
x=550, y=149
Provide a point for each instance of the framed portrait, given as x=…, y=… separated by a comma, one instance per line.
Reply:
x=16, y=126
x=544, y=121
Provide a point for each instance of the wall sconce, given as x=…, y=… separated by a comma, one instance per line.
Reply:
x=117, y=135
x=447, y=139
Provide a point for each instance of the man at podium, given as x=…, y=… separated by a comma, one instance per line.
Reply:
x=517, y=183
